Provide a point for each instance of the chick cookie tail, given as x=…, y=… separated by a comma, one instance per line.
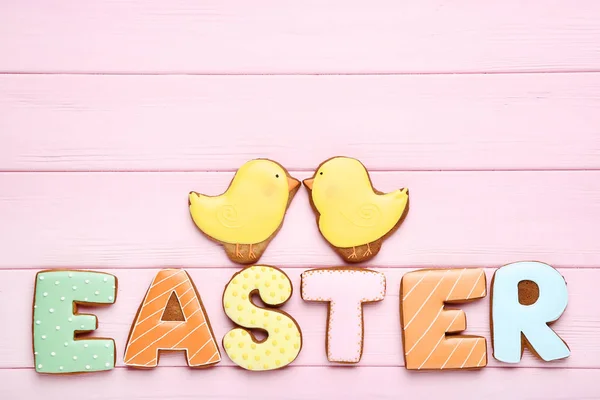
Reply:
x=402, y=192
x=192, y=198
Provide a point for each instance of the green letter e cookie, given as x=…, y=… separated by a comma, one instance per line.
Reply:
x=56, y=322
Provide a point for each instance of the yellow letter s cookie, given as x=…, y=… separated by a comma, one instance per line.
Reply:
x=284, y=339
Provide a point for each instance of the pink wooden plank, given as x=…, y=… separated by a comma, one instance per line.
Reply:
x=465, y=122
x=287, y=36
x=579, y=326
x=142, y=219
x=304, y=383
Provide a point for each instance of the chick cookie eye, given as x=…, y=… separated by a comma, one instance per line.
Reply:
x=321, y=173
x=276, y=175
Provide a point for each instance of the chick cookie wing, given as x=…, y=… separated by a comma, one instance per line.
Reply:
x=353, y=216
x=246, y=217
x=366, y=215
x=229, y=217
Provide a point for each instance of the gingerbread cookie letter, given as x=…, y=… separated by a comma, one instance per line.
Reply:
x=352, y=216
x=56, y=322
x=512, y=321
x=425, y=320
x=345, y=289
x=248, y=215
x=284, y=339
x=171, y=317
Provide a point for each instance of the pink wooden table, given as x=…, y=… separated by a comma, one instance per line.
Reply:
x=112, y=111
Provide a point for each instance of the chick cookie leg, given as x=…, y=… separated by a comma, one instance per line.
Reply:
x=368, y=252
x=353, y=255
x=237, y=250
x=251, y=254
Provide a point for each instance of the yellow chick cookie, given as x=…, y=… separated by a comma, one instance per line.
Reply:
x=248, y=215
x=352, y=216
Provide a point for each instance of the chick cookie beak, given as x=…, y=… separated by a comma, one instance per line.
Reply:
x=309, y=183
x=292, y=183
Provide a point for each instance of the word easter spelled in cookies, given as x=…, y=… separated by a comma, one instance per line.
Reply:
x=355, y=219
x=425, y=320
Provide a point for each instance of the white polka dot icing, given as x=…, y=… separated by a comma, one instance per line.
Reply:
x=55, y=348
x=284, y=339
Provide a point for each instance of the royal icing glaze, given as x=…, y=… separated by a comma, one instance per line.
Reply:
x=425, y=320
x=346, y=289
x=251, y=210
x=55, y=322
x=512, y=320
x=150, y=333
x=284, y=339
x=350, y=212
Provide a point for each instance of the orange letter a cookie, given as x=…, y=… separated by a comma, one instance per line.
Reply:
x=162, y=324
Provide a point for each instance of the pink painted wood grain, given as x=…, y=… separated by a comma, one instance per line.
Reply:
x=287, y=36
x=305, y=384
x=142, y=219
x=579, y=326
x=464, y=122
x=502, y=168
